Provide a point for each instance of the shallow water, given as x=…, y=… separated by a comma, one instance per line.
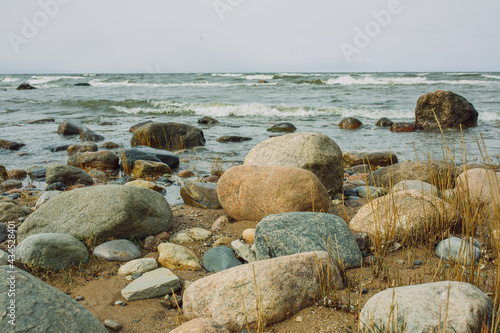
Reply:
x=311, y=101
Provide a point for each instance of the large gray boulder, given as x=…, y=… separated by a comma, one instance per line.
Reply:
x=100, y=212
x=311, y=151
x=67, y=174
x=285, y=286
x=438, y=173
x=289, y=233
x=41, y=308
x=168, y=136
x=422, y=308
x=51, y=251
x=450, y=109
x=146, y=153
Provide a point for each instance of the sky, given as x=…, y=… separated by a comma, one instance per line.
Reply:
x=125, y=36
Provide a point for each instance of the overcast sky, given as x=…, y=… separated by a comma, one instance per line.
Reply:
x=82, y=36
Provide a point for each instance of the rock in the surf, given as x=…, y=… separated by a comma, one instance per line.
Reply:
x=66, y=174
x=168, y=136
x=100, y=160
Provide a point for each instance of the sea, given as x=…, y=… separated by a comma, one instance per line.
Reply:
x=246, y=104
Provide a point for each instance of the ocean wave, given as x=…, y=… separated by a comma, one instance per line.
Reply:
x=489, y=116
x=370, y=80
x=143, y=110
x=259, y=77
x=35, y=79
x=129, y=83
x=488, y=76
x=8, y=79
x=227, y=74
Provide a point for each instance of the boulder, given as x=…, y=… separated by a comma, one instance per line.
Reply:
x=158, y=282
x=7, y=185
x=168, y=136
x=384, y=122
x=220, y=258
x=18, y=174
x=438, y=173
x=251, y=192
x=146, y=184
x=82, y=84
x=458, y=250
x=70, y=127
x=100, y=212
x=82, y=148
x=117, y=250
x=402, y=127
x=285, y=286
x=67, y=174
x=450, y=109
x=129, y=157
x=136, y=126
x=138, y=266
x=190, y=236
x=290, y=233
x=312, y=151
x=186, y=174
x=51, y=251
x=402, y=216
x=416, y=185
x=177, y=257
x=39, y=307
x=10, y=145
x=480, y=187
x=372, y=158
x=3, y=172
x=3, y=235
x=200, y=325
x=233, y=138
x=350, y=123
x=109, y=145
x=97, y=176
x=282, y=128
x=144, y=169
x=208, y=121
x=10, y=212
x=25, y=86
x=200, y=195
x=4, y=258
x=37, y=172
x=100, y=160
x=427, y=307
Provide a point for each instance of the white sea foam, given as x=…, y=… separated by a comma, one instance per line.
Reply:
x=370, y=80
x=9, y=79
x=227, y=74
x=128, y=83
x=487, y=76
x=46, y=79
x=259, y=77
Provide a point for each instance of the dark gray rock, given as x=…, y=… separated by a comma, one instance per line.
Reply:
x=363, y=240
x=384, y=122
x=233, y=138
x=57, y=147
x=82, y=84
x=201, y=195
x=51, y=251
x=290, y=233
x=42, y=308
x=282, y=127
x=458, y=250
x=71, y=127
x=168, y=136
x=3, y=232
x=208, y=121
x=220, y=258
x=25, y=86
x=11, y=145
x=150, y=154
x=100, y=212
x=57, y=186
x=67, y=174
x=10, y=184
x=350, y=193
x=41, y=121
x=37, y=173
x=117, y=250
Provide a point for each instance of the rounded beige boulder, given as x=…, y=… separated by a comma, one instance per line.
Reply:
x=312, y=151
x=481, y=187
x=251, y=192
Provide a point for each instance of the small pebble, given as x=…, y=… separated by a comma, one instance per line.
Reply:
x=122, y=303
x=136, y=275
x=447, y=266
x=417, y=262
x=364, y=291
x=113, y=325
x=79, y=298
x=399, y=261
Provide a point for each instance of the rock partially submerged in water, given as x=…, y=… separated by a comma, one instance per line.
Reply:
x=208, y=121
x=82, y=148
x=11, y=145
x=149, y=154
x=402, y=127
x=251, y=192
x=168, y=136
x=233, y=138
x=67, y=174
x=350, y=123
x=42, y=308
x=372, y=158
x=311, y=151
x=450, y=109
x=25, y=86
x=144, y=169
x=427, y=307
x=384, y=122
x=100, y=212
x=101, y=160
x=282, y=128
x=70, y=127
